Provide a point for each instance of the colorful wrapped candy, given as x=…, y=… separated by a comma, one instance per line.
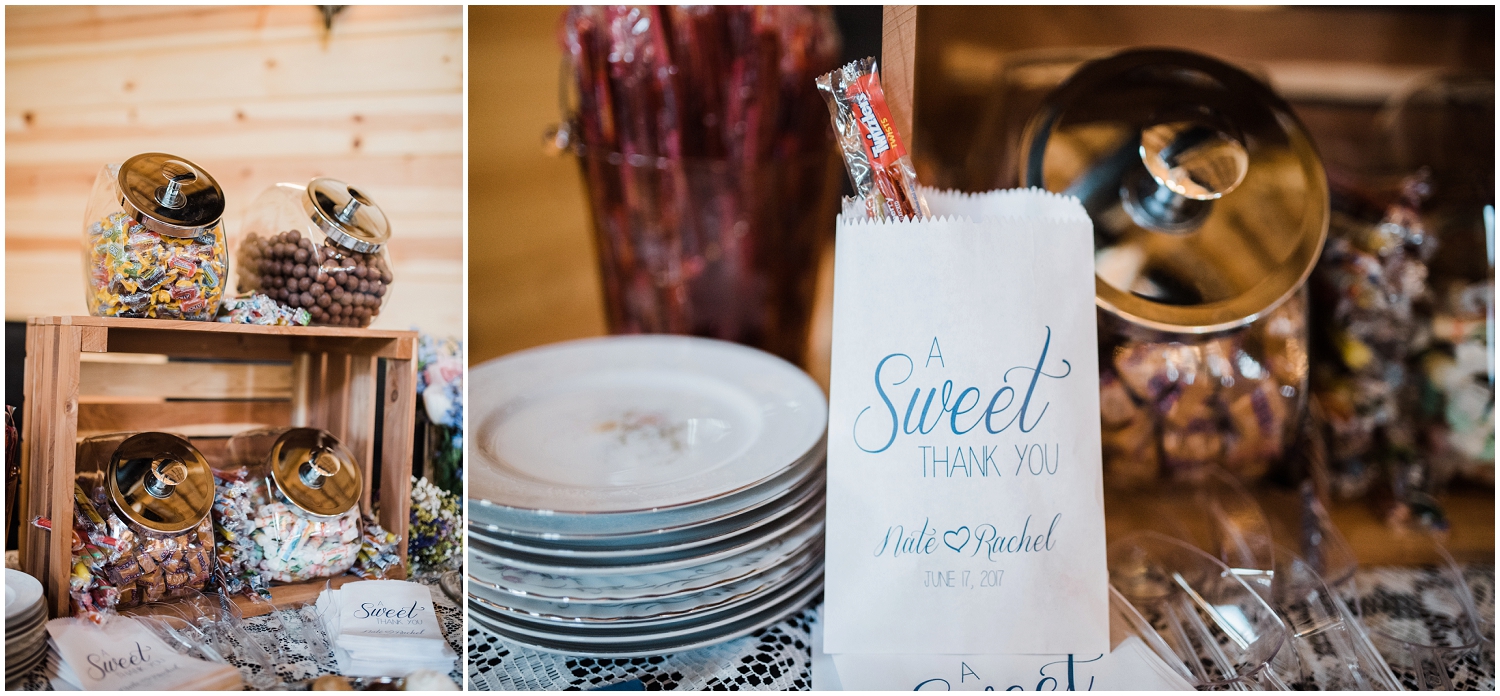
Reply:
x=141, y=530
x=154, y=244
x=287, y=508
x=255, y=308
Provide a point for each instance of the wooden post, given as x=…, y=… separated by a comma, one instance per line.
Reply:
x=396, y=443
x=898, y=62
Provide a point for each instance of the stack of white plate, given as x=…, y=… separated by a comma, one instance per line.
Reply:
x=25, y=625
x=637, y=495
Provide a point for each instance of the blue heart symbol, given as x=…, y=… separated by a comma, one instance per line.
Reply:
x=960, y=547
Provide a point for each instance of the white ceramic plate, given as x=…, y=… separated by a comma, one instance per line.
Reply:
x=623, y=588
x=658, y=544
x=749, y=624
x=804, y=523
x=636, y=423
x=24, y=635
x=26, y=622
x=603, y=529
x=674, y=630
x=648, y=611
x=22, y=592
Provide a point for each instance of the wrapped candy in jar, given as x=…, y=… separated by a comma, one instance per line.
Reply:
x=154, y=242
x=141, y=528
x=287, y=508
x=320, y=248
x=1210, y=207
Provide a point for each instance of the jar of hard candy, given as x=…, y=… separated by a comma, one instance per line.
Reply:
x=287, y=508
x=319, y=247
x=153, y=240
x=141, y=529
x=1210, y=207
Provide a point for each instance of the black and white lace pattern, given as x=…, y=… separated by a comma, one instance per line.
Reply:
x=776, y=658
x=299, y=656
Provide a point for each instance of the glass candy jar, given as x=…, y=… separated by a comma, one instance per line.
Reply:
x=1210, y=207
x=319, y=247
x=154, y=242
x=141, y=521
x=287, y=508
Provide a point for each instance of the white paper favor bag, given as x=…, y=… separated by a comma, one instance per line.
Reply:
x=965, y=498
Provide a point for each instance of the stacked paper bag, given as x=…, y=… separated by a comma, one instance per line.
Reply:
x=126, y=655
x=384, y=628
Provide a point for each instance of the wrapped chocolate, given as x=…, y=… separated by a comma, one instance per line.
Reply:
x=1370, y=285
x=320, y=249
x=287, y=508
x=878, y=165
x=141, y=528
x=1210, y=207
x=154, y=241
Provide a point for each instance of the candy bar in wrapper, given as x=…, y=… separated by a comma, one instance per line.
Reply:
x=878, y=165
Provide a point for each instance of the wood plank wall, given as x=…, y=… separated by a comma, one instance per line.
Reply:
x=255, y=95
x=531, y=248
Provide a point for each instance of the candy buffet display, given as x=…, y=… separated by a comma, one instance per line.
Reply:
x=318, y=248
x=287, y=508
x=141, y=528
x=1210, y=208
x=154, y=240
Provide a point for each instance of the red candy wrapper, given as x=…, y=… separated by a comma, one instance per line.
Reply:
x=882, y=173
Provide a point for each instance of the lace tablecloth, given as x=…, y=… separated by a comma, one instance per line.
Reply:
x=298, y=664
x=779, y=658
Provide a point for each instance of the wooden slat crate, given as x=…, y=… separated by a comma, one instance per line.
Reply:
x=91, y=375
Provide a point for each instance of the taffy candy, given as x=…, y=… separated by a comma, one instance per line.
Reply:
x=135, y=272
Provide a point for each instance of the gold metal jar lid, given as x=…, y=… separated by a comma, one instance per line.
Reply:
x=347, y=215
x=1209, y=201
x=316, y=472
x=161, y=482
x=170, y=195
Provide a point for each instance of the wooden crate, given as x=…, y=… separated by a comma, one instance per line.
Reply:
x=87, y=375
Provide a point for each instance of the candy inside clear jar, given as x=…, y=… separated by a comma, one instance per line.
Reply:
x=287, y=508
x=141, y=528
x=154, y=243
x=319, y=247
x=1210, y=207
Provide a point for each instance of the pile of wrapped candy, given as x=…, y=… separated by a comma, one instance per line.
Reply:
x=135, y=272
x=234, y=524
x=379, y=551
x=1369, y=285
x=1175, y=408
x=113, y=566
x=257, y=308
x=435, y=527
x=296, y=547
